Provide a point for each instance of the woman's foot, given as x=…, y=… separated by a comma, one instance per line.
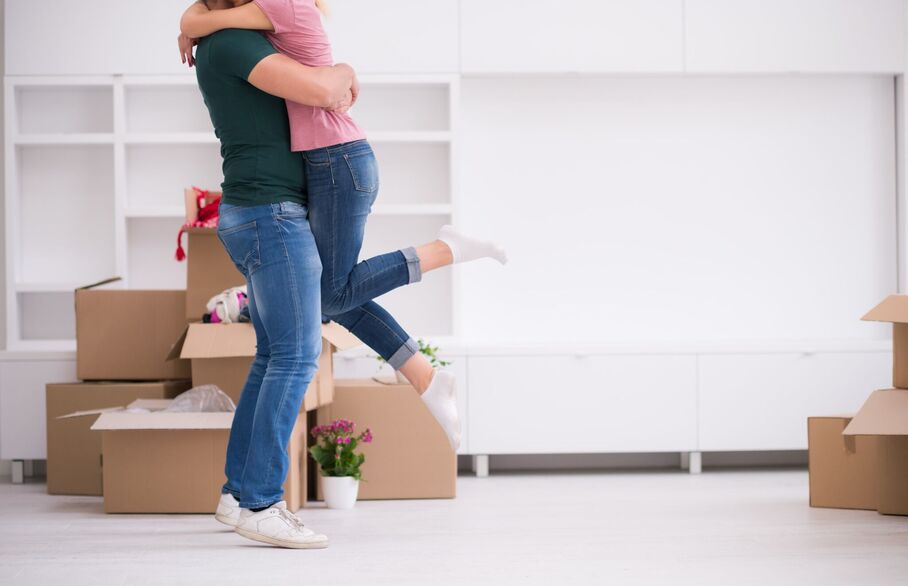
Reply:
x=441, y=399
x=464, y=248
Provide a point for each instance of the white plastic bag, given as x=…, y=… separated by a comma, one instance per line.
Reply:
x=202, y=399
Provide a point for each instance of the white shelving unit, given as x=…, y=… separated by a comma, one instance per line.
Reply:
x=125, y=146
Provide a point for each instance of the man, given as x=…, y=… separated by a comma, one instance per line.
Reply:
x=264, y=227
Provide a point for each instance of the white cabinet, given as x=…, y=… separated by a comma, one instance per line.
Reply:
x=568, y=404
x=62, y=37
x=23, y=429
x=740, y=36
x=509, y=36
x=395, y=36
x=762, y=401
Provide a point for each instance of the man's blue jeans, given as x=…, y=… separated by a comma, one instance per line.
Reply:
x=272, y=246
x=342, y=184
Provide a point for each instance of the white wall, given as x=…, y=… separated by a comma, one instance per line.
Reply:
x=678, y=209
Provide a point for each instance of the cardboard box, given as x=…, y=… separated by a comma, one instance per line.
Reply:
x=209, y=271
x=843, y=470
x=222, y=355
x=884, y=416
x=410, y=456
x=126, y=334
x=894, y=309
x=73, y=450
x=174, y=462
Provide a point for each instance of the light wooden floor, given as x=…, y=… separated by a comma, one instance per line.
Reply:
x=729, y=528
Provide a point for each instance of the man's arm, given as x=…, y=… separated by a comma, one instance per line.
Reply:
x=198, y=21
x=321, y=87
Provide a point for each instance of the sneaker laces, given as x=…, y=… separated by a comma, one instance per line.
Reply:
x=293, y=519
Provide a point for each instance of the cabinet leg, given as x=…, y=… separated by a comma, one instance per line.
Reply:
x=481, y=466
x=18, y=471
x=695, y=462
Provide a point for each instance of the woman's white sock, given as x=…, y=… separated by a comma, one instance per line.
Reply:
x=465, y=248
x=441, y=399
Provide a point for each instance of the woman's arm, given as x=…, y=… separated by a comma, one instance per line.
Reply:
x=322, y=87
x=198, y=21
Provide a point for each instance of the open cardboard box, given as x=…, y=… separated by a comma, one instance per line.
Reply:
x=73, y=450
x=884, y=418
x=410, y=457
x=125, y=334
x=843, y=470
x=222, y=354
x=161, y=462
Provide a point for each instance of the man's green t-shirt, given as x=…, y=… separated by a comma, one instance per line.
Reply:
x=259, y=167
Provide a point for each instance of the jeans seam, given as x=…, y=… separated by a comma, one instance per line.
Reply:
x=384, y=325
x=294, y=285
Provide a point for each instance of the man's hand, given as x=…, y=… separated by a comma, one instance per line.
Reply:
x=344, y=105
x=186, y=44
x=354, y=89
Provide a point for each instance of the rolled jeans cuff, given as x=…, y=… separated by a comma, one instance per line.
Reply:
x=413, y=267
x=403, y=354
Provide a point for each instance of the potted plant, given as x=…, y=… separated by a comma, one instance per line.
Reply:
x=427, y=350
x=335, y=452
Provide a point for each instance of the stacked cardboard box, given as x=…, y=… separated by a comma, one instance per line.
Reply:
x=137, y=348
x=122, y=341
x=861, y=462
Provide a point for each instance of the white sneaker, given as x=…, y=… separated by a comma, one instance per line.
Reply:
x=278, y=526
x=228, y=511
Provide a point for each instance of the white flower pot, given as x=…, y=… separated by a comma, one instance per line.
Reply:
x=340, y=491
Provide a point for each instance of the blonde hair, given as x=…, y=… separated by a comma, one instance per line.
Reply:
x=323, y=6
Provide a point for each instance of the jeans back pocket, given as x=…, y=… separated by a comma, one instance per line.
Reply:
x=242, y=244
x=364, y=170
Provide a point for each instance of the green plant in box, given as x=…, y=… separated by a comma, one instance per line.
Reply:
x=335, y=448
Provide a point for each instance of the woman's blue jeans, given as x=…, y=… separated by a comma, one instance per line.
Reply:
x=342, y=184
x=273, y=247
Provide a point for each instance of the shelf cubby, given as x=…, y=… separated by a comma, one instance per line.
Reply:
x=66, y=213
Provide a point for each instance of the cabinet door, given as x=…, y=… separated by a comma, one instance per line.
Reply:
x=728, y=36
x=62, y=37
x=507, y=36
x=395, y=36
x=762, y=401
x=23, y=425
x=566, y=404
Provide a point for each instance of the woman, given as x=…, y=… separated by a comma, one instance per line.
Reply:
x=342, y=184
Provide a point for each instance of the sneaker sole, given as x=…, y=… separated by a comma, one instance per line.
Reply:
x=226, y=520
x=279, y=542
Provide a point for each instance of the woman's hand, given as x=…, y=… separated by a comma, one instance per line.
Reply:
x=186, y=44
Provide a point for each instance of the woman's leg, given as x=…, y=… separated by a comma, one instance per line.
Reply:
x=275, y=247
x=343, y=182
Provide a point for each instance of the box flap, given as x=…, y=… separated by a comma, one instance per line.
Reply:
x=893, y=309
x=90, y=412
x=339, y=336
x=99, y=283
x=218, y=340
x=884, y=413
x=177, y=348
x=123, y=421
x=201, y=340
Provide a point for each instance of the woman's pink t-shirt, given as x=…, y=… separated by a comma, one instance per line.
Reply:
x=298, y=33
